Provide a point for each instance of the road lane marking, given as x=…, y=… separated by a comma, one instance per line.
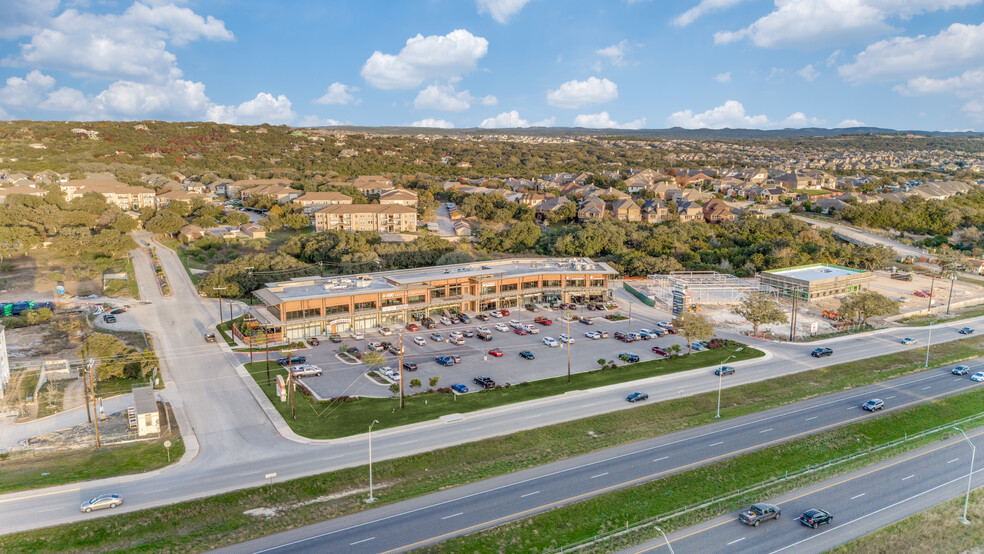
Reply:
x=408, y=442
x=251, y=473
x=889, y=397
x=810, y=418
x=717, y=443
x=453, y=515
x=851, y=407
x=599, y=475
x=331, y=458
x=75, y=489
x=661, y=459
x=765, y=430
x=532, y=416
x=529, y=494
x=360, y=542
x=858, y=496
x=51, y=509
x=953, y=460
x=909, y=477
x=929, y=387
x=734, y=542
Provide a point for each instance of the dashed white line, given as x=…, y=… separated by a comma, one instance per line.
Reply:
x=532, y=416
x=529, y=494
x=909, y=477
x=331, y=458
x=452, y=515
x=889, y=397
x=360, y=542
x=734, y=542
x=766, y=430
x=858, y=496
x=408, y=442
x=851, y=407
x=599, y=475
x=810, y=418
x=929, y=387
x=661, y=459
x=51, y=509
x=953, y=460
x=717, y=443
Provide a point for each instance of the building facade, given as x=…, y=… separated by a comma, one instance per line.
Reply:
x=119, y=194
x=383, y=218
x=810, y=282
x=316, y=306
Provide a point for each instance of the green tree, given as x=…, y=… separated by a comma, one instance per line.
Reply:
x=415, y=384
x=166, y=222
x=759, y=308
x=110, y=353
x=867, y=304
x=373, y=359
x=434, y=380
x=694, y=327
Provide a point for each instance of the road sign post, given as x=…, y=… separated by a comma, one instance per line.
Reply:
x=167, y=446
x=270, y=476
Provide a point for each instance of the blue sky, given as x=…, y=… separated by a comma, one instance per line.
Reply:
x=904, y=64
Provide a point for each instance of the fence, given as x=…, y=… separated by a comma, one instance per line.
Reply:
x=642, y=297
x=650, y=521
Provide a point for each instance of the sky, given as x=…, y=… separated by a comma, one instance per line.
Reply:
x=762, y=64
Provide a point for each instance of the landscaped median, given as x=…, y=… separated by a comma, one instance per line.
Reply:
x=340, y=418
x=222, y=519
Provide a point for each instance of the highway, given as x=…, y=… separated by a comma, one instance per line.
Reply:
x=430, y=519
x=233, y=439
x=861, y=501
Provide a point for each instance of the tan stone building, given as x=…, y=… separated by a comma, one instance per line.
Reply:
x=119, y=194
x=401, y=197
x=313, y=201
x=626, y=210
x=281, y=193
x=383, y=218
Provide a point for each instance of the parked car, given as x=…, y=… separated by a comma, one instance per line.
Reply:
x=592, y=335
x=118, y=311
x=375, y=346
x=357, y=335
x=393, y=374
x=101, y=501
x=468, y=333
x=459, y=388
x=637, y=396
x=107, y=318
x=305, y=370
x=979, y=376
x=502, y=327
x=313, y=341
x=485, y=382
x=495, y=352
x=821, y=352
x=527, y=354
x=446, y=321
x=209, y=337
x=335, y=337
x=429, y=323
x=759, y=513
x=409, y=366
x=646, y=334
x=627, y=357
x=660, y=351
x=531, y=329
x=664, y=324
x=464, y=318
x=724, y=370
x=542, y=320
x=293, y=360
x=873, y=404
x=484, y=335
x=603, y=333
x=419, y=341
x=413, y=327
x=496, y=314
x=966, y=331
x=532, y=308
x=482, y=317
x=550, y=341
x=437, y=337
x=385, y=331
x=505, y=313
x=961, y=370
x=815, y=518
x=587, y=321
x=566, y=339
x=908, y=340
x=448, y=360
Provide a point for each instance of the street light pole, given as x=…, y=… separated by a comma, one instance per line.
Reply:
x=371, y=498
x=220, y=304
x=950, y=297
x=664, y=538
x=720, y=378
x=568, y=347
x=973, y=452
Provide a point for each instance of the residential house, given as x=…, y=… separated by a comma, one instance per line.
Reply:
x=311, y=202
x=280, y=193
x=592, y=208
x=717, y=211
x=400, y=197
x=626, y=210
x=689, y=195
x=190, y=233
x=552, y=204
x=462, y=228
x=389, y=218
x=119, y=194
x=21, y=189
x=166, y=198
x=233, y=189
x=253, y=231
x=831, y=205
x=534, y=199
x=654, y=211
x=689, y=211
x=373, y=184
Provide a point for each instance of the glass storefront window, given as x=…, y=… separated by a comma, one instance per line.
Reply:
x=551, y=283
x=531, y=285
x=393, y=319
x=508, y=288
x=363, y=323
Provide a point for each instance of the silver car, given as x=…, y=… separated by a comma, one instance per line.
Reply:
x=101, y=501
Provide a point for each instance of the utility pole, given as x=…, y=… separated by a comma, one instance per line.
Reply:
x=949, y=298
x=290, y=382
x=85, y=388
x=92, y=390
x=220, y=305
x=401, y=370
x=792, y=318
x=266, y=350
x=569, y=346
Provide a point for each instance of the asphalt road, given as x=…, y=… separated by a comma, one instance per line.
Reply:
x=865, y=237
x=433, y=518
x=861, y=502
x=233, y=440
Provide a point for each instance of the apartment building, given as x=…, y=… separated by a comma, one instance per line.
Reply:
x=308, y=307
x=313, y=201
x=383, y=218
x=124, y=196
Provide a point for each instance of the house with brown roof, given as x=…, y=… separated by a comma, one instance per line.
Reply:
x=119, y=194
x=626, y=210
x=383, y=218
x=373, y=184
x=190, y=233
x=311, y=202
x=551, y=205
x=174, y=195
x=592, y=208
x=654, y=211
x=716, y=211
x=402, y=197
x=689, y=211
x=280, y=193
x=232, y=190
x=21, y=189
x=253, y=231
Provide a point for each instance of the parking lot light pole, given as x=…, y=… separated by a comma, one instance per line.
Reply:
x=973, y=452
x=664, y=538
x=371, y=498
x=720, y=378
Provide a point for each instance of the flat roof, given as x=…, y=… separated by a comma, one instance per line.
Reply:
x=816, y=272
x=307, y=288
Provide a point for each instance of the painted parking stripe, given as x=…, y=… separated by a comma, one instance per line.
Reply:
x=858, y=496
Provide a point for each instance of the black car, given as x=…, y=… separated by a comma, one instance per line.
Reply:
x=118, y=311
x=485, y=382
x=409, y=366
x=821, y=352
x=527, y=354
x=627, y=357
x=964, y=331
x=429, y=323
x=637, y=396
x=814, y=518
x=293, y=360
x=724, y=370
x=109, y=318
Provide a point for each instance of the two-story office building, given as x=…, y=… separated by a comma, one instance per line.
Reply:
x=307, y=307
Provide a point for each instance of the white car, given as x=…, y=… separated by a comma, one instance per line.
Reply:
x=496, y=314
x=908, y=340
x=593, y=335
x=664, y=324
x=455, y=334
x=385, y=331
x=446, y=321
x=457, y=340
x=567, y=340
x=502, y=327
x=391, y=373
x=551, y=342
x=979, y=376
x=514, y=323
x=531, y=329
x=483, y=330
x=357, y=335
x=419, y=341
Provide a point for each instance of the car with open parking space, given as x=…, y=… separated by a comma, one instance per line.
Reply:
x=602, y=332
x=502, y=327
x=413, y=327
x=724, y=370
x=628, y=357
x=460, y=341
x=459, y=388
x=592, y=335
x=526, y=354
x=464, y=319
x=531, y=329
x=961, y=370
x=758, y=513
x=209, y=337
x=375, y=346
x=587, y=321
x=409, y=366
x=482, y=317
x=446, y=321
x=978, y=377
x=484, y=382
x=637, y=396
x=385, y=331
x=495, y=352
x=550, y=341
x=100, y=502
x=448, y=360
x=437, y=337
x=468, y=333
x=107, y=318
x=873, y=404
x=313, y=341
x=542, y=320
x=496, y=314
x=357, y=335
x=815, y=518
x=659, y=350
x=520, y=330
x=305, y=370
x=664, y=324
x=566, y=339
x=335, y=337
x=283, y=360
x=484, y=335
x=821, y=352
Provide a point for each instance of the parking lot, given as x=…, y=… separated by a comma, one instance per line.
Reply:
x=340, y=378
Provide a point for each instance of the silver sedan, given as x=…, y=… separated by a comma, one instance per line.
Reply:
x=101, y=501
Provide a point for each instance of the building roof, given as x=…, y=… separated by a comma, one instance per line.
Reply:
x=366, y=208
x=106, y=186
x=398, y=194
x=144, y=401
x=329, y=196
x=815, y=272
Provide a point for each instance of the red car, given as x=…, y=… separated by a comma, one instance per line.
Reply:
x=520, y=331
x=543, y=320
x=660, y=351
x=412, y=327
x=496, y=352
x=505, y=312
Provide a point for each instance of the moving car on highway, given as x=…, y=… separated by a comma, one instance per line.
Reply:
x=724, y=370
x=101, y=501
x=908, y=340
x=821, y=352
x=637, y=396
x=961, y=370
x=814, y=518
x=874, y=404
x=979, y=376
x=758, y=513
x=966, y=331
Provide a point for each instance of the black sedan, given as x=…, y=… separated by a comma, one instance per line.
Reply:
x=527, y=355
x=724, y=370
x=814, y=518
x=637, y=396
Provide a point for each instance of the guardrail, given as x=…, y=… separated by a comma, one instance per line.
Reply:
x=630, y=528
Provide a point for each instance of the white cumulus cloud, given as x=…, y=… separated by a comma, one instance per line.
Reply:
x=337, y=93
x=732, y=114
x=808, y=72
x=28, y=91
x=574, y=94
x=446, y=98
x=265, y=108
x=447, y=57
x=315, y=121
x=505, y=120
x=500, y=10
x=435, y=123
x=615, y=53
x=955, y=47
x=849, y=123
x=604, y=121
x=723, y=77
x=701, y=9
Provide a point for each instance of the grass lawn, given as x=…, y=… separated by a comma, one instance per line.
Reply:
x=340, y=419
x=225, y=328
x=23, y=470
x=106, y=388
x=220, y=520
x=937, y=529
x=925, y=320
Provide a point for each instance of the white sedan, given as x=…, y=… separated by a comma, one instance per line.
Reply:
x=551, y=342
x=979, y=376
x=483, y=330
x=419, y=341
x=531, y=329
x=593, y=335
x=496, y=314
x=502, y=327
x=908, y=340
x=357, y=335
x=567, y=340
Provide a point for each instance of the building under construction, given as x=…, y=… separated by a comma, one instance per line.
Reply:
x=682, y=289
x=811, y=282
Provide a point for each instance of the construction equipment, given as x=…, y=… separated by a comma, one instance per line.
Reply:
x=694, y=308
x=833, y=315
x=901, y=276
